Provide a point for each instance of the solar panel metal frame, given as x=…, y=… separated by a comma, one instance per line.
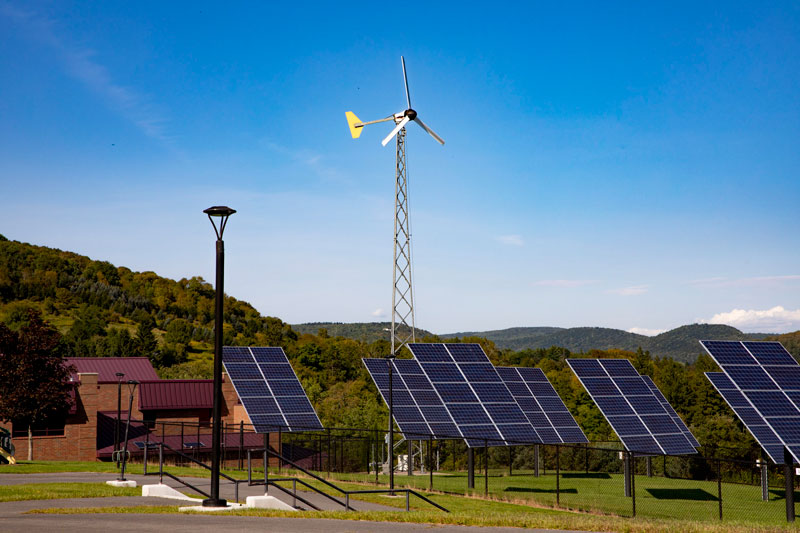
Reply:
x=446, y=366
x=675, y=416
x=248, y=367
x=430, y=409
x=592, y=373
x=510, y=374
x=753, y=362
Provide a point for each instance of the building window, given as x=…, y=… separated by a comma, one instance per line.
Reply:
x=53, y=426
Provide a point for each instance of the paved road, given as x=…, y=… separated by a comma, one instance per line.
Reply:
x=13, y=519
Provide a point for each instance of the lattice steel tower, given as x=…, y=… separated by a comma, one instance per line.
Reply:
x=402, y=286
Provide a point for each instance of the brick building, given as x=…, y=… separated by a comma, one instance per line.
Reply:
x=177, y=412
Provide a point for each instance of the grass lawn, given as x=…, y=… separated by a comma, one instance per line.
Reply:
x=56, y=491
x=676, y=501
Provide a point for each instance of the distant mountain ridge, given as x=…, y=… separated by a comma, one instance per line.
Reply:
x=680, y=343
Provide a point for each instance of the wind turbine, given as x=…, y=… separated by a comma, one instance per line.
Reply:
x=402, y=288
x=402, y=294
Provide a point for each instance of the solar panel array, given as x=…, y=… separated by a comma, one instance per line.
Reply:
x=269, y=389
x=541, y=404
x=755, y=424
x=668, y=408
x=768, y=378
x=416, y=407
x=631, y=408
x=477, y=399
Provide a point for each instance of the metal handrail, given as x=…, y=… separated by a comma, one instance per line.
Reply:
x=161, y=472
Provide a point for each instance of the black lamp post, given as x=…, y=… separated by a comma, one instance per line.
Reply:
x=119, y=375
x=222, y=213
x=132, y=387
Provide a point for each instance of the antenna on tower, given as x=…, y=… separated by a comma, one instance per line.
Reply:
x=402, y=288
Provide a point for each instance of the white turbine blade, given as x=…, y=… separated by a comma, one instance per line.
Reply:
x=397, y=128
x=426, y=128
x=405, y=79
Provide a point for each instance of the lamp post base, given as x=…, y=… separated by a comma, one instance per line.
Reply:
x=211, y=502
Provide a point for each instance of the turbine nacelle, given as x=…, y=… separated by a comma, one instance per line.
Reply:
x=400, y=119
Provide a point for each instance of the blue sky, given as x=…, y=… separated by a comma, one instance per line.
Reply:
x=624, y=165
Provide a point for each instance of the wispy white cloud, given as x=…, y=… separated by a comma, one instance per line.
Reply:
x=774, y=320
x=379, y=313
x=308, y=158
x=646, y=331
x=760, y=281
x=634, y=290
x=82, y=65
x=510, y=240
x=564, y=283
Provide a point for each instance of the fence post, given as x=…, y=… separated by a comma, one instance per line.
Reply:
x=536, y=460
x=719, y=486
x=586, y=457
x=486, y=468
x=789, y=475
x=146, y=445
x=764, y=480
x=410, y=459
x=558, y=475
x=241, y=442
x=626, y=472
x=632, y=460
x=470, y=467
x=249, y=467
x=329, y=453
x=430, y=462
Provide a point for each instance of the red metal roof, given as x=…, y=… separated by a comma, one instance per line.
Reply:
x=138, y=368
x=176, y=394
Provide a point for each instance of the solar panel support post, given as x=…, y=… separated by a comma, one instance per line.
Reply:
x=470, y=467
x=510, y=460
x=390, y=363
x=633, y=484
x=626, y=472
x=764, y=478
x=649, y=466
x=486, y=468
x=410, y=460
x=430, y=462
x=788, y=471
x=280, y=448
x=719, y=486
x=536, y=460
x=558, y=475
x=222, y=213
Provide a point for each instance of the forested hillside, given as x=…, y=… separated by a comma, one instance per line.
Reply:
x=104, y=310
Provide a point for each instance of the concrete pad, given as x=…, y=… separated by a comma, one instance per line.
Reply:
x=201, y=509
x=267, y=502
x=165, y=491
x=129, y=483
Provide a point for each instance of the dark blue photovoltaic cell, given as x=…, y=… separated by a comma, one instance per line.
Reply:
x=377, y=366
x=277, y=371
x=601, y=387
x=631, y=386
x=587, y=368
x=483, y=431
x=435, y=413
x=748, y=415
x=532, y=375
x=518, y=389
x=787, y=377
x=787, y=428
x=770, y=353
x=794, y=396
x=646, y=405
x=425, y=397
x=660, y=424
x=572, y=434
x=407, y=414
x=750, y=377
x=468, y=414
x=456, y=393
x=521, y=432
x=252, y=387
x=417, y=382
x=552, y=405
x=675, y=444
x=728, y=352
x=467, y=353
x=765, y=435
x=538, y=420
x=720, y=381
x=401, y=397
x=562, y=419
x=479, y=372
x=613, y=405
x=286, y=387
x=493, y=392
x=407, y=366
x=263, y=379
x=627, y=425
x=261, y=406
x=243, y=371
x=619, y=368
x=772, y=403
x=507, y=373
x=642, y=444
x=443, y=373
x=735, y=398
x=269, y=355
x=503, y=414
x=667, y=407
x=528, y=404
x=429, y=352
x=444, y=429
x=542, y=389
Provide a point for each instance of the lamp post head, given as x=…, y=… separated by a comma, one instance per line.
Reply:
x=119, y=375
x=222, y=212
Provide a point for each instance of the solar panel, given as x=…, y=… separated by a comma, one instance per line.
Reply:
x=637, y=416
x=675, y=417
x=768, y=377
x=753, y=421
x=416, y=407
x=476, y=397
x=555, y=424
x=269, y=389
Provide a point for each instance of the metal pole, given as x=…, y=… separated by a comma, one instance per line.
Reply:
x=510, y=460
x=390, y=455
x=633, y=484
x=558, y=475
x=216, y=429
x=719, y=487
x=127, y=427
x=764, y=480
x=119, y=375
x=649, y=466
x=410, y=461
x=241, y=441
x=626, y=472
x=470, y=468
x=280, y=448
x=536, y=461
x=789, y=475
x=430, y=462
x=486, y=468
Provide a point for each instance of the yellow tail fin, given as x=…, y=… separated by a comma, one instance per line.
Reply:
x=352, y=120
